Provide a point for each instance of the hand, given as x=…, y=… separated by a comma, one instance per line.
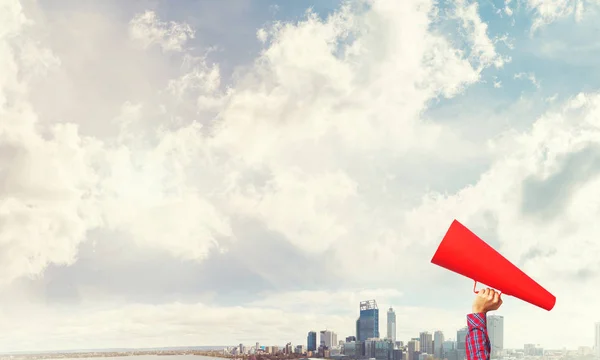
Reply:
x=486, y=300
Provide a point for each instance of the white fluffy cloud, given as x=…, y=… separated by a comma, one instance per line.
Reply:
x=322, y=140
x=548, y=11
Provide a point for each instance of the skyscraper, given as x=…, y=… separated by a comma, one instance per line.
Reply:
x=311, y=341
x=597, y=341
x=367, y=325
x=412, y=347
x=391, y=325
x=495, y=328
x=426, y=342
x=438, y=342
x=328, y=338
x=461, y=338
x=447, y=346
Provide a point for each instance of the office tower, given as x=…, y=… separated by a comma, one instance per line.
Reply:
x=367, y=325
x=438, y=341
x=426, y=342
x=350, y=338
x=495, y=328
x=412, y=348
x=461, y=338
x=597, y=341
x=447, y=347
x=328, y=338
x=311, y=341
x=391, y=324
x=379, y=349
x=461, y=344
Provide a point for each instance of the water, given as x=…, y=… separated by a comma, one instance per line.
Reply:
x=149, y=357
x=104, y=356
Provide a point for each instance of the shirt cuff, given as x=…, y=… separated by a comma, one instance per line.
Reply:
x=477, y=320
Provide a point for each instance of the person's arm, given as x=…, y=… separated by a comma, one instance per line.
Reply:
x=477, y=341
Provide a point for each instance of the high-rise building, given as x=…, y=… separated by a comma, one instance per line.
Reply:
x=495, y=328
x=461, y=338
x=447, y=346
x=367, y=325
x=438, y=342
x=391, y=324
x=597, y=341
x=412, y=348
x=426, y=342
x=311, y=341
x=379, y=349
x=328, y=338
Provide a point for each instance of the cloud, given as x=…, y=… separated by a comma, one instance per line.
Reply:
x=148, y=30
x=548, y=11
x=143, y=187
x=482, y=46
x=529, y=76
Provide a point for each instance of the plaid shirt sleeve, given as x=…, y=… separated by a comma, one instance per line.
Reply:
x=477, y=341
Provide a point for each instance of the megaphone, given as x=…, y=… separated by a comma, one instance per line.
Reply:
x=462, y=252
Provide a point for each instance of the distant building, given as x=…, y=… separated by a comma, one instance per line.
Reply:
x=350, y=338
x=597, y=341
x=367, y=325
x=447, y=347
x=379, y=349
x=391, y=324
x=299, y=349
x=425, y=356
x=426, y=341
x=353, y=349
x=398, y=354
x=533, y=350
x=438, y=342
x=460, y=352
x=328, y=338
x=584, y=351
x=495, y=328
x=311, y=341
x=461, y=338
x=412, y=349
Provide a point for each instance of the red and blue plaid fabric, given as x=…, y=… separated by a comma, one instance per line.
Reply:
x=477, y=341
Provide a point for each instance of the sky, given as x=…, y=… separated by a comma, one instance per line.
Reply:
x=224, y=172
